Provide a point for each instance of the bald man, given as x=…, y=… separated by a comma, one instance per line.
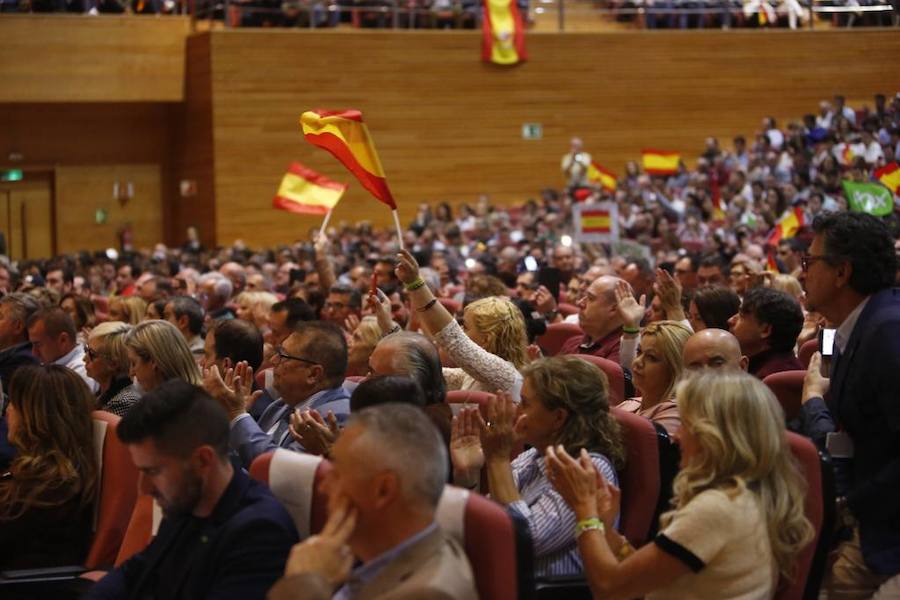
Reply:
x=714, y=349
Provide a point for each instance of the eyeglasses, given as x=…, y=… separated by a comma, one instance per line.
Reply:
x=285, y=356
x=808, y=259
x=91, y=353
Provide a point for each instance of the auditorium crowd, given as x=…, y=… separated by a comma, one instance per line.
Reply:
x=706, y=408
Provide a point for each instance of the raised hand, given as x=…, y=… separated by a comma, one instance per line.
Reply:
x=327, y=554
x=224, y=390
x=669, y=291
x=575, y=480
x=322, y=245
x=815, y=385
x=498, y=435
x=544, y=301
x=351, y=323
x=631, y=311
x=407, y=269
x=380, y=304
x=466, y=452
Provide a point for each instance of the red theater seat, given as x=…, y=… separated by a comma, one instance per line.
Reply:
x=788, y=389
x=614, y=374
x=556, y=336
x=640, y=479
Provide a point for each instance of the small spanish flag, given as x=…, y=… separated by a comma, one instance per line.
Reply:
x=847, y=155
x=602, y=176
x=889, y=175
x=660, y=162
x=596, y=221
x=502, y=33
x=345, y=135
x=715, y=192
x=304, y=191
x=787, y=226
x=772, y=263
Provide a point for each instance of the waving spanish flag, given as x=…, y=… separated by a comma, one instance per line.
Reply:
x=787, y=226
x=345, y=135
x=304, y=191
x=602, y=176
x=659, y=162
x=889, y=175
x=503, y=33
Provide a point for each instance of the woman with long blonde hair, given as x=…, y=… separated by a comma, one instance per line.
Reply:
x=128, y=309
x=158, y=352
x=737, y=521
x=656, y=369
x=47, y=497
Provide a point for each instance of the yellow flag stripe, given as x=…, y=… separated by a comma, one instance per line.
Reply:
x=660, y=162
x=503, y=29
x=297, y=189
x=352, y=133
x=595, y=222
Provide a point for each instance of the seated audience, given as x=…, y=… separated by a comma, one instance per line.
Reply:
x=713, y=306
x=229, y=343
x=488, y=350
x=81, y=310
x=47, y=496
x=656, y=370
x=157, y=352
x=389, y=469
x=214, y=293
x=738, y=489
x=106, y=361
x=54, y=340
x=599, y=318
x=186, y=314
x=767, y=326
x=713, y=349
x=222, y=535
x=342, y=302
x=309, y=373
x=254, y=307
x=15, y=349
x=129, y=309
x=565, y=401
x=711, y=271
x=361, y=345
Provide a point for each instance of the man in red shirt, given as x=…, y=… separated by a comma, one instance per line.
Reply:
x=599, y=318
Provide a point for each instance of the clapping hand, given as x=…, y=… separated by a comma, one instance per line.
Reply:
x=669, y=291
x=315, y=434
x=583, y=488
x=498, y=433
x=234, y=391
x=631, y=310
x=466, y=452
x=327, y=554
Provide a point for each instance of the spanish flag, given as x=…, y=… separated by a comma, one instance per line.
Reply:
x=306, y=192
x=659, y=162
x=715, y=193
x=787, y=227
x=772, y=263
x=502, y=33
x=345, y=135
x=596, y=221
x=602, y=176
x=889, y=175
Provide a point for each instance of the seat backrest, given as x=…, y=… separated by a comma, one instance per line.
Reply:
x=806, y=351
x=117, y=491
x=808, y=460
x=459, y=398
x=788, y=389
x=614, y=374
x=556, y=335
x=142, y=527
x=260, y=378
x=566, y=309
x=294, y=479
x=498, y=546
x=639, y=480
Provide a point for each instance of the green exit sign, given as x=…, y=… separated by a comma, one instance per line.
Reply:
x=532, y=131
x=11, y=175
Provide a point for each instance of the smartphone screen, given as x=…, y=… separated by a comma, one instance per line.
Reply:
x=550, y=278
x=826, y=342
x=531, y=263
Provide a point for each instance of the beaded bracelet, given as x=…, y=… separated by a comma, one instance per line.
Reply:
x=411, y=287
x=591, y=524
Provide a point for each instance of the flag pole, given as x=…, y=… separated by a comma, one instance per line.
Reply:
x=397, y=225
x=325, y=222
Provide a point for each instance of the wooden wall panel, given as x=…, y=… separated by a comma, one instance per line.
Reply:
x=448, y=127
x=70, y=58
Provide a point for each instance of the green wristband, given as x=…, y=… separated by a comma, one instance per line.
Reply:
x=411, y=287
x=592, y=524
x=631, y=329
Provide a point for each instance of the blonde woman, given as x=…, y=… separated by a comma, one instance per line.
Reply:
x=106, y=362
x=489, y=348
x=788, y=284
x=656, y=370
x=363, y=341
x=157, y=352
x=128, y=309
x=255, y=307
x=737, y=520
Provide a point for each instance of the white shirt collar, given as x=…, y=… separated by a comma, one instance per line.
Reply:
x=845, y=330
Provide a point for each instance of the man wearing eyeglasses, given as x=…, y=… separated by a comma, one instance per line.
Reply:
x=848, y=276
x=309, y=373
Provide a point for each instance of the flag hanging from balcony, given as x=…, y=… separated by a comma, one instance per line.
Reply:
x=602, y=176
x=345, y=135
x=304, y=191
x=503, y=33
x=659, y=162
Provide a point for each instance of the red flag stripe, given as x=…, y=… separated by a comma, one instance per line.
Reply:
x=377, y=186
x=295, y=207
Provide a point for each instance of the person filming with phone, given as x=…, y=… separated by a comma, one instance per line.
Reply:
x=848, y=275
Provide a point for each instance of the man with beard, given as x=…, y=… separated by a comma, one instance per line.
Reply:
x=223, y=535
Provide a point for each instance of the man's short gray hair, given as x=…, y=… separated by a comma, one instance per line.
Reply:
x=416, y=357
x=402, y=439
x=222, y=287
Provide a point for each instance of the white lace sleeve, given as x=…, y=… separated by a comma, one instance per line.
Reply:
x=488, y=369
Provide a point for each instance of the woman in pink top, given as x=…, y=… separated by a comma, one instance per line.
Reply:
x=656, y=369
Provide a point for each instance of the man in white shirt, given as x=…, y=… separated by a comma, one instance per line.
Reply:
x=575, y=164
x=53, y=339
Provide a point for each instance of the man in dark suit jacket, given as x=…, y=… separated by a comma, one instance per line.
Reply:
x=223, y=535
x=389, y=468
x=309, y=373
x=848, y=276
